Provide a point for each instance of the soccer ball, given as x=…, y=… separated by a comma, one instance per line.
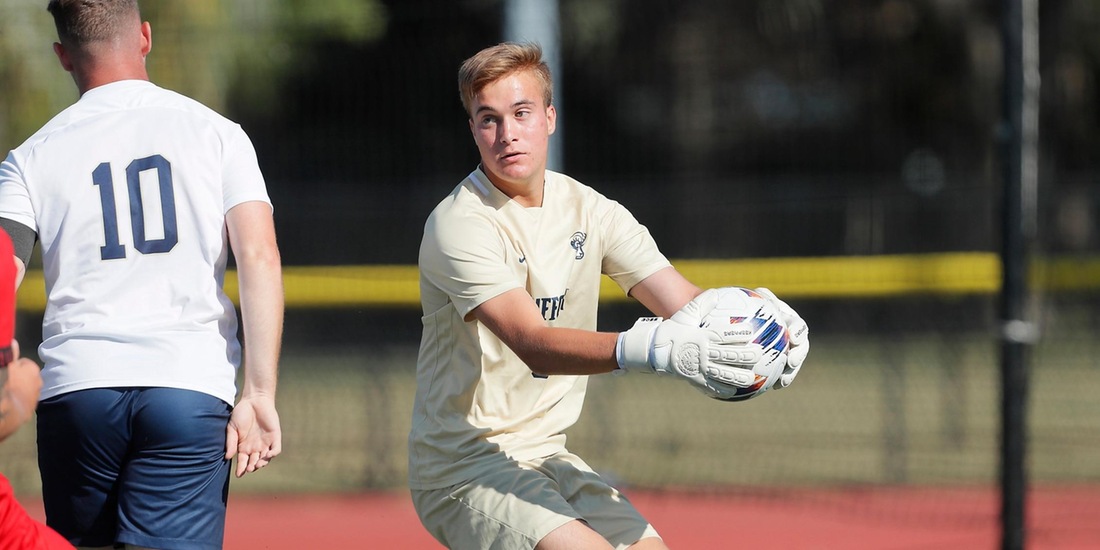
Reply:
x=745, y=315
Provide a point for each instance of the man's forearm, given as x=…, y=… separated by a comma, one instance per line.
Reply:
x=262, y=305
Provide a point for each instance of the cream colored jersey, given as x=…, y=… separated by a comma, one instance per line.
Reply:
x=477, y=404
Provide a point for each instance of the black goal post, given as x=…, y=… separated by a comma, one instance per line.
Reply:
x=1019, y=155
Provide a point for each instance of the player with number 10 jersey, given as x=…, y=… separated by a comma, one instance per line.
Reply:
x=138, y=195
x=131, y=223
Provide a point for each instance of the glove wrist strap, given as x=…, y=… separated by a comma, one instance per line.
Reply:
x=633, y=347
x=619, y=353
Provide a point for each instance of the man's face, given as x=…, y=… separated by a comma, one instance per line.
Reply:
x=512, y=129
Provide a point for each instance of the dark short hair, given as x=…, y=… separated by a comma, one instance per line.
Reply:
x=82, y=22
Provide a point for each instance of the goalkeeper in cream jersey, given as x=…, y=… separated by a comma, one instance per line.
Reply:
x=510, y=269
x=136, y=196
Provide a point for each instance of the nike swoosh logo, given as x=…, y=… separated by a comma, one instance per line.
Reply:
x=522, y=259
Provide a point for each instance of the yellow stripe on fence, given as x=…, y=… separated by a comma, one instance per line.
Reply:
x=807, y=278
x=853, y=277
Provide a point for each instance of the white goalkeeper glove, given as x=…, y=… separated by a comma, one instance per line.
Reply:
x=678, y=347
x=799, y=338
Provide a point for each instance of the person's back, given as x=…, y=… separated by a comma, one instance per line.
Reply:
x=137, y=196
x=132, y=232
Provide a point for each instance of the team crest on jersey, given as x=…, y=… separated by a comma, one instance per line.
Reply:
x=577, y=242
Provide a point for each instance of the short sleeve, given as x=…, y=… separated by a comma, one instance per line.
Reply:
x=631, y=253
x=243, y=180
x=465, y=258
x=15, y=201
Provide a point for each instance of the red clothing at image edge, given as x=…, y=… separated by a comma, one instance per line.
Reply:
x=18, y=531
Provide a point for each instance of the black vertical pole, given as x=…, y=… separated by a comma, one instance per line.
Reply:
x=1020, y=160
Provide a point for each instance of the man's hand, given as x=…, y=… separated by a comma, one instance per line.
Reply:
x=253, y=434
x=800, y=338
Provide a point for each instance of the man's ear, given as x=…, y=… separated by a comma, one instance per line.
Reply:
x=63, y=56
x=146, y=38
x=551, y=120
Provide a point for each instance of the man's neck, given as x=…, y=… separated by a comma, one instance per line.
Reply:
x=99, y=74
x=526, y=194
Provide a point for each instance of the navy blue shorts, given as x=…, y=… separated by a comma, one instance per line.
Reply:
x=140, y=466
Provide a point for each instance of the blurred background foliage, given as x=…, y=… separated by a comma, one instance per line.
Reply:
x=211, y=50
x=885, y=111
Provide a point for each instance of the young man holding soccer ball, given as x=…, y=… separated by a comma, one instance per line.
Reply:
x=510, y=267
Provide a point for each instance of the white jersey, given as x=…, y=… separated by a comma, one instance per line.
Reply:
x=477, y=404
x=128, y=190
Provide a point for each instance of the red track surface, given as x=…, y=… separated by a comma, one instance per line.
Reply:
x=878, y=519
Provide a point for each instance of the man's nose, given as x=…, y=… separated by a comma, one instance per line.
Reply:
x=506, y=131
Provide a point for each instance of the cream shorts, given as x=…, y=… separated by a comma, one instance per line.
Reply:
x=516, y=507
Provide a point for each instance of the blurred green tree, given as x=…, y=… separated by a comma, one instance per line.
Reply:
x=206, y=49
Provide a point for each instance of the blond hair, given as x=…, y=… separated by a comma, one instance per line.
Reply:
x=496, y=62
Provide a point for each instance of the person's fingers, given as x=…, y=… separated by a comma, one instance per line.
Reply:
x=231, y=439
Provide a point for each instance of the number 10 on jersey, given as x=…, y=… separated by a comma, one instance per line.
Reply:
x=101, y=177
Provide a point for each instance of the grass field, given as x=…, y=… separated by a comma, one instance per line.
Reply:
x=923, y=410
